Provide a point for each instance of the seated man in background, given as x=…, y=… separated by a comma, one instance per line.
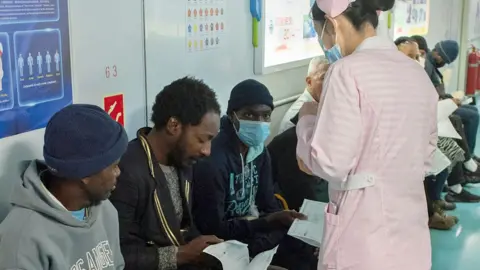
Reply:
x=464, y=167
x=60, y=219
x=234, y=190
x=446, y=52
x=295, y=185
x=316, y=73
x=153, y=193
x=433, y=184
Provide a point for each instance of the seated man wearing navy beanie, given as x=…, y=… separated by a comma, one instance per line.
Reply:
x=233, y=196
x=60, y=219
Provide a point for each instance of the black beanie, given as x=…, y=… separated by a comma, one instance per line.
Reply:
x=247, y=93
x=82, y=140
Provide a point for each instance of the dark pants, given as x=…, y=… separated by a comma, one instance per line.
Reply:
x=430, y=208
x=294, y=254
x=434, y=185
x=463, y=143
x=470, y=120
x=291, y=253
x=457, y=175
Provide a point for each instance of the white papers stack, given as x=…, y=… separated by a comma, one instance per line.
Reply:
x=234, y=256
x=439, y=163
x=309, y=231
x=461, y=96
x=445, y=128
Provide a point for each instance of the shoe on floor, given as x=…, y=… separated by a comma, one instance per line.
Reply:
x=464, y=196
x=471, y=179
x=440, y=222
x=474, y=174
x=444, y=205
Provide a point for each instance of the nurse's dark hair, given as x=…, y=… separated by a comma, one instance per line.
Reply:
x=187, y=99
x=359, y=12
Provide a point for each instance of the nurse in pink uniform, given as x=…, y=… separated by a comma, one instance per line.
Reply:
x=372, y=137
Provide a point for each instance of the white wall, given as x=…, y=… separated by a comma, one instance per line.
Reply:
x=221, y=68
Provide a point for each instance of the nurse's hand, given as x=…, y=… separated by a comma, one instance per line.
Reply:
x=303, y=167
x=308, y=108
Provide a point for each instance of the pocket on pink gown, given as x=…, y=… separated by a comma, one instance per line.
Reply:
x=329, y=250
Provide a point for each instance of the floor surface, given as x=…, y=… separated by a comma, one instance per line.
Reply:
x=459, y=249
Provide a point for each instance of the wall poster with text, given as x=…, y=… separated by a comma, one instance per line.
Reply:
x=411, y=17
x=35, y=68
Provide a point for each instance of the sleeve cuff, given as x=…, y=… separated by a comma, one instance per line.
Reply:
x=260, y=224
x=167, y=258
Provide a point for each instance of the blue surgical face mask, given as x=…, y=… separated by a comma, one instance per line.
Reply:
x=333, y=54
x=253, y=133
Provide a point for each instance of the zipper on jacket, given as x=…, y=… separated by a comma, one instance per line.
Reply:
x=158, y=205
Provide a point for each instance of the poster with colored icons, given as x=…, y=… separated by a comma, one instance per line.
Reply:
x=205, y=24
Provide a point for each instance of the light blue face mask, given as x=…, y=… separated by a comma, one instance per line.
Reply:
x=333, y=54
x=253, y=133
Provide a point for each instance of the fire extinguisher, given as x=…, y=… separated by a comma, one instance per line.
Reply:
x=472, y=73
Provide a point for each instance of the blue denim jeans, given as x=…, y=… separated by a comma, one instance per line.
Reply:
x=470, y=120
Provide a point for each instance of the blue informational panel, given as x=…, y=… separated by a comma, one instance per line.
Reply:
x=35, y=70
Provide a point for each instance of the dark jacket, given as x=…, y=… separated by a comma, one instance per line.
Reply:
x=221, y=198
x=435, y=76
x=145, y=209
x=294, y=184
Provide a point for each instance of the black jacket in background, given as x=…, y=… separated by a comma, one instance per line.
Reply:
x=435, y=76
x=294, y=184
x=142, y=199
x=221, y=195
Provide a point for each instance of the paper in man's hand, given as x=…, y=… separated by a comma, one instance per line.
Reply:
x=309, y=231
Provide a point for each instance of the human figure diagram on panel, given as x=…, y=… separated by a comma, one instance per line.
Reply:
x=20, y=64
x=30, y=64
x=57, y=61
x=48, y=61
x=40, y=62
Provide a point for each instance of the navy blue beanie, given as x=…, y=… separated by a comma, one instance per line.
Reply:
x=247, y=93
x=448, y=50
x=81, y=140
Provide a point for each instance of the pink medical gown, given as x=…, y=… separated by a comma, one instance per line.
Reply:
x=373, y=139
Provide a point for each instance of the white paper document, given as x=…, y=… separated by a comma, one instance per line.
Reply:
x=445, y=128
x=439, y=162
x=234, y=256
x=309, y=231
x=445, y=108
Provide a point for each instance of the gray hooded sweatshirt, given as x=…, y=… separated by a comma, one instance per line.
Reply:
x=40, y=234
